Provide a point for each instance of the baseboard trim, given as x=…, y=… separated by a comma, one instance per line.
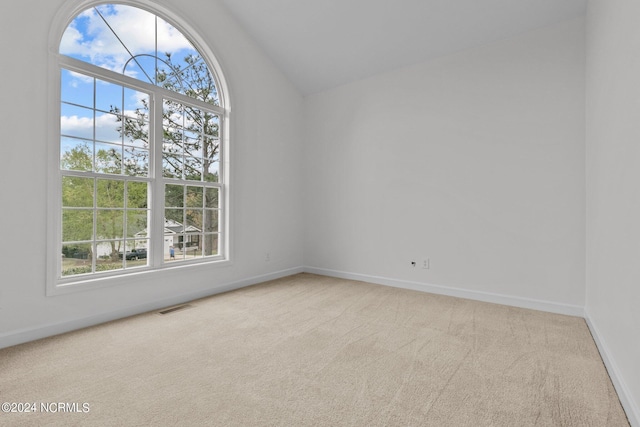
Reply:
x=31, y=334
x=548, y=306
x=626, y=399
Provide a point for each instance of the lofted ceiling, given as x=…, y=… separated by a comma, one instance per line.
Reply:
x=321, y=44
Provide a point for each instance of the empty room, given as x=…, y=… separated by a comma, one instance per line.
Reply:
x=320, y=213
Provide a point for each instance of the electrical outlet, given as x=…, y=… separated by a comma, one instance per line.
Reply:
x=425, y=263
x=413, y=263
x=267, y=257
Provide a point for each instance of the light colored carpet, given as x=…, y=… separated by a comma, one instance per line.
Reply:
x=310, y=350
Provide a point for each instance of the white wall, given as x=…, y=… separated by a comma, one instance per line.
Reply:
x=266, y=148
x=613, y=190
x=475, y=160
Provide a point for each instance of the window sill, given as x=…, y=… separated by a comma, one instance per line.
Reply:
x=86, y=283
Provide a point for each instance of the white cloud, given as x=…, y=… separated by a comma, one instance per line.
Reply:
x=73, y=124
x=106, y=127
x=88, y=36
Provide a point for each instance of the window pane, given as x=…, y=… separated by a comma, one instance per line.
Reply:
x=193, y=119
x=76, y=259
x=77, y=192
x=172, y=251
x=76, y=154
x=173, y=127
x=210, y=244
x=109, y=266
x=172, y=166
x=211, y=148
x=194, y=220
x=108, y=97
x=111, y=259
x=136, y=254
x=136, y=132
x=194, y=196
x=88, y=34
x=192, y=143
x=77, y=225
x=190, y=245
x=139, y=244
x=211, y=198
x=110, y=193
x=136, y=161
x=211, y=171
x=173, y=115
x=108, y=254
x=172, y=144
x=136, y=104
x=211, y=124
x=210, y=220
x=108, y=158
x=137, y=262
x=174, y=196
x=174, y=220
x=110, y=224
x=137, y=223
x=108, y=127
x=76, y=121
x=192, y=168
x=76, y=88
x=120, y=19
x=136, y=195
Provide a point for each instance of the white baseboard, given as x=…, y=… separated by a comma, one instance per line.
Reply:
x=629, y=404
x=548, y=306
x=30, y=334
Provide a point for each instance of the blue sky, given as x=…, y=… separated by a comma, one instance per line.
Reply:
x=78, y=120
x=138, y=34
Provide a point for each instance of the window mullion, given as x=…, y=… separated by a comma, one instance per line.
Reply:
x=156, y=228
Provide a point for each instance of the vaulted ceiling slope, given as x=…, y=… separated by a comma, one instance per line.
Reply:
x=321, y=44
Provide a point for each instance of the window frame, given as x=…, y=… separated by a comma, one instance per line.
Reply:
x=56, y=283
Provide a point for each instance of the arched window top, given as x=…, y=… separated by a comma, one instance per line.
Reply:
x=142, y=45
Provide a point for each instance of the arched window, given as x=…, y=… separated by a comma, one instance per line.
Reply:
x=141, y=158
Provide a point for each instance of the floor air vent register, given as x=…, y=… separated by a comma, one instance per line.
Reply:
x=173, y=309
